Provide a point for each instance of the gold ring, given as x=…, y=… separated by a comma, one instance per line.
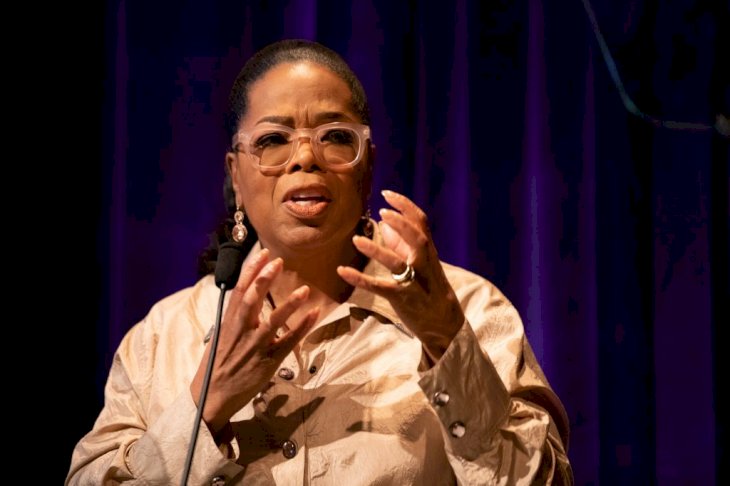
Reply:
x=406, y=276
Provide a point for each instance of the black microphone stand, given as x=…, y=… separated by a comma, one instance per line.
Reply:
x=228, y=266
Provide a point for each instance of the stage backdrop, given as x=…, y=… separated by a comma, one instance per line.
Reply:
x=607, y=229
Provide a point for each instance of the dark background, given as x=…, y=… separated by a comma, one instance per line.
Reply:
x=609, y=232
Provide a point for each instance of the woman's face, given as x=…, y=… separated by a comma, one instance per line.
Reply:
x=305, y=206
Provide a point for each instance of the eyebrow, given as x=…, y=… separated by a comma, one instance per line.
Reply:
x=280, y=120
x=320, y=118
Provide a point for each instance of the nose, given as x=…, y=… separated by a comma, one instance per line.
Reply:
x=303, y=157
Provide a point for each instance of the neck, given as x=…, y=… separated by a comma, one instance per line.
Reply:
x=318, y=270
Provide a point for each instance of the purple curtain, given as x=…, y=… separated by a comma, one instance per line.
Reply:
x=501, y=119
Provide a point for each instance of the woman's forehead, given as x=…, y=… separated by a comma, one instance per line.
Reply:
x=300, y=80
x=301, y=90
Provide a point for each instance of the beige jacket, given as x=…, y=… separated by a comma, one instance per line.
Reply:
x=353, y=405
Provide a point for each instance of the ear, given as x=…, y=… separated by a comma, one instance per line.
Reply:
x=232, y=170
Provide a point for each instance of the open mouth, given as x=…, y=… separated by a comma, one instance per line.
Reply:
x=308, y=201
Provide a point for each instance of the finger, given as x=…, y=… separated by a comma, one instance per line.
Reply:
x=282, y=313
x=288, y=340
x=378, y=285
x=255, y=294
x=407, y=207
x=237, y=308
x=389, y=258
x=251, y=269
x=407, y=253
x=412, y=234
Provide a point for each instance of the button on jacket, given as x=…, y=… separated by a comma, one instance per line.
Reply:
x=356, y=403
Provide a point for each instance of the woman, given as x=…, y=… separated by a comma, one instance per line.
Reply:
x=348, y=353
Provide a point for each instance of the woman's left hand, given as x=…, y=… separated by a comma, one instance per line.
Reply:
x=427, y=304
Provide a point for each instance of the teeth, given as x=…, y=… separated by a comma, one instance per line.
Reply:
x=306, y=195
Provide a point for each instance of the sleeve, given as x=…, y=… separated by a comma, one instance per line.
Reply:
x=123, y=447
x=500, y=426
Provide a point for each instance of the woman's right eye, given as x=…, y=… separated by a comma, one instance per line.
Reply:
x=271, y=139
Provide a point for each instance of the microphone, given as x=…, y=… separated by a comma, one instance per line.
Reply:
x=227, y=268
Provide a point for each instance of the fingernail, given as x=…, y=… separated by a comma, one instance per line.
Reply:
x=271, y=267
x=386, y=193
x=301, y=292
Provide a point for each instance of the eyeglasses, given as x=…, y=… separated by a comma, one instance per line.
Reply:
x=338, y=145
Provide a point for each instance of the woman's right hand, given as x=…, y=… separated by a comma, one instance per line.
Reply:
x=249, y=350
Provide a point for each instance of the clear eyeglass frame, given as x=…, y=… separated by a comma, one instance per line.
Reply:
x=243, y=141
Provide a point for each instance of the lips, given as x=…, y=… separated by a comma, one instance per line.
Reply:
x=307, y=201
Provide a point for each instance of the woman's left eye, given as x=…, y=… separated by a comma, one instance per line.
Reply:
x=342, y=137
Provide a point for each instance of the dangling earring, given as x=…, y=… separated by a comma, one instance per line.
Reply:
x=240, y=232
x=366, y=224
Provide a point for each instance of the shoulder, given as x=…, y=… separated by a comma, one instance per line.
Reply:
x=164, y=344
x=181, y=311
x=486, y=307
x=469, y=285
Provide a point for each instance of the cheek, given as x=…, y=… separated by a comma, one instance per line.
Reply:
x=363, y=184
x=355, y=192
x=254, y=189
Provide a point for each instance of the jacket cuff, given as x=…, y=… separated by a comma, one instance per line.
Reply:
x=159, y=456
x=467, y=394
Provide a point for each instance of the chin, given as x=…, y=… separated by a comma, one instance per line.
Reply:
x=305, y=238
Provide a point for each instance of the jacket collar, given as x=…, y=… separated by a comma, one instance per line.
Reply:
x=360, y=298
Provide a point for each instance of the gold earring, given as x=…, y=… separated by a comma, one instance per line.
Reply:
x=366, y=224
x=240, y=232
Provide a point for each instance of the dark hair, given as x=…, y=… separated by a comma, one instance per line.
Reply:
x=284, y=51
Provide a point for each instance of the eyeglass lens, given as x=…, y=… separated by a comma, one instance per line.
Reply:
x=333, y=145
